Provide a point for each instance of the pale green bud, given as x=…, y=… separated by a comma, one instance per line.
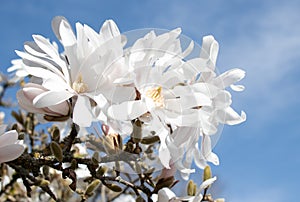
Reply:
x=206, y=173
x=92, y=187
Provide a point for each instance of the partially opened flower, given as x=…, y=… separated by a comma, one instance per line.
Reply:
x=84, y=72
x=10, y=148
x=28, y=95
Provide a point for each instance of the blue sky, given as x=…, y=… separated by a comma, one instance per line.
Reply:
x=259, y=158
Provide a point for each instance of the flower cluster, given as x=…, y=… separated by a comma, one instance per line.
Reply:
x=153, y=91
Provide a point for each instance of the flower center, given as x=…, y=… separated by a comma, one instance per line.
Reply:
x=156, y=95
x=79, y=86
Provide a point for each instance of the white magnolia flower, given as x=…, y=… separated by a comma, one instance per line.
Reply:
x=84, y=72
x=151, y=60
x=10, y=148
x=183, y=144
x=167, y=195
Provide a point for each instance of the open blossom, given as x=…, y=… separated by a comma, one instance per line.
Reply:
x=185, y=140
x=84, y=72
x=151, y=60
x=10, y=148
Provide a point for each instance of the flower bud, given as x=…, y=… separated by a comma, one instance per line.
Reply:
x=74, y=164
x=191, y=188
x=114, y=187
x=206, y=173
x=56, y=151
x=44, y=183
x=101, y=171
x=220, y=200
x=96, y=158
x=27, y=95
x=92, y=187
x=140, y=199
x=55, y=134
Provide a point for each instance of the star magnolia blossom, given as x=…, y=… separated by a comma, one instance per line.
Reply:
x=10, y=148
x=157, y=104
x=184, y=141
x=84, y=72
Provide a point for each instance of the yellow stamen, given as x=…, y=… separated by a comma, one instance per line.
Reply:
x=79, y=86
x=156, y=95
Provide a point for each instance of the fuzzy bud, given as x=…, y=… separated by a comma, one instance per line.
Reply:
x=191, y=188
x=92, y=187
x=114, y=187
x=101, y=171
x=56, y=151
x=206, y=173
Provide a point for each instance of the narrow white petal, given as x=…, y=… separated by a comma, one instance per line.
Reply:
x=66, y=33
x=230, y=117
x=188, y=50
x=10, y=152
x=50, y=98
x=229, y=77
x=109, y=30
x=82, y=113
x=206, y=183
x=41, y=62
x=210, y=49
x=237, y=88
x=222, y=100
x=56, y=24
x=198, y=158
x=127, y=110
x=45, y=45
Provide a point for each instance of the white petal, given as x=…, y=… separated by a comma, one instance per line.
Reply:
x=229, y=77
x=82, y=113
x=230, y=117
x=222, y=100
x=237, y=88
x=56, y=85
x=50, y=98
x=10, y=137
x=165, y=194
x=210, y=49
x=41, y=62
x=206, y=183
x=188, y=50
x=45, y=45
x=109, y=30
x=66, y=33
x=56, y=21
x=10, y=152
x=206, y=150
x=44, y=74
x=127, y=110
x=198, y=158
